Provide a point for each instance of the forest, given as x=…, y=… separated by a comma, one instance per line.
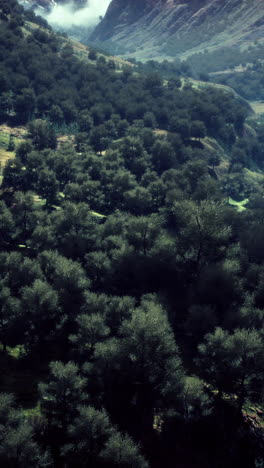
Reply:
x=131, y=264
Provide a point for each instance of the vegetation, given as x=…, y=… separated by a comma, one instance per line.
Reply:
x=131, y=291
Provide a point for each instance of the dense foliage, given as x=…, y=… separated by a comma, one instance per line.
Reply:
x=248, y=82
x=133, y=292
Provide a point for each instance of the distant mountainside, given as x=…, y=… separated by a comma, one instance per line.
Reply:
x=152, y=28
x=47, y=4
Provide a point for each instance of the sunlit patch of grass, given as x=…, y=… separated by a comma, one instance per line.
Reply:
x=14, y=351
x=239, y=205
x=97, y=215
x=38, y=201
x=32, y=412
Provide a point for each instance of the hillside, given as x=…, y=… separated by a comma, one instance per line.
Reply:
x=131, y=261
x=159, y=28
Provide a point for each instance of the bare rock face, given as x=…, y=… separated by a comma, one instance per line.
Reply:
x=48, y=4
x=150, y=28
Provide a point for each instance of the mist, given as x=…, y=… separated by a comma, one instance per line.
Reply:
x=66, y=16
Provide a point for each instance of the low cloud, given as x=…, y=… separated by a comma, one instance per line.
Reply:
x=66, y=16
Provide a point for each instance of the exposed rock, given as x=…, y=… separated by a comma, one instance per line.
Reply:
x=156, y=27
x=48, y=4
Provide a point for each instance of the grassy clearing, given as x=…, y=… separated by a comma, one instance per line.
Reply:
x=33, y=412
x=97, y=215
x=258, y=107
x=240, y=206
x=14, y=351
x=38, y=201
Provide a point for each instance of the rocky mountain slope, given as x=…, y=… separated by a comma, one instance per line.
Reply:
x=47, y=4
x=152, y=28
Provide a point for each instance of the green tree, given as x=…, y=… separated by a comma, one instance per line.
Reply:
x=142, y=232
x=47, y=185
x=196, y=402
x=91, y=330
x=120, y=450
x=10, y=318
x=233, y=362
x=25, y=215
x=23, y=150
x=42, y=135
x=94, y=442
x=7, y=225
x=144, y=364
x=76, y=229
x=92, y=55
x=40, y=305
x=17, y=445
x=202, y=232
x=68, y=278
x=163, y=156
x=11, y=144
x=62, y=394
x=138, y=201
x=25, y=105
x=198, y=129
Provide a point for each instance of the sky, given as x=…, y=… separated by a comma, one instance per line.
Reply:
x=66, y=16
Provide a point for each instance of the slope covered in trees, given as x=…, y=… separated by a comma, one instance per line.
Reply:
x=131, y=293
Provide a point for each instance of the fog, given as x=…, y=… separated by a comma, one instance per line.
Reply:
x=66, y=16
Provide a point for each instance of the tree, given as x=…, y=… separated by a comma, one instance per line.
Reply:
x=163, y=156
x=195, y=401
x=47, y=185
x=85, y=122
x=153, y=83
x=25, y=105
x=11, y=144
x=94, y=442
x=142, y=232
x=149, y=120
x=7, y=225
x=198, y=129
x=92, y=55
x=120, y=450
x=25, y=215
x=13, y=176
x=10, y=318
x=42, y=135
x=40, y=305
x=113, y=309
x=180, y=126
x=56, y=114
x=62, y=394
x=68, y=278
x=99, y=139
x=91, y=330
x=76, y=229
x=202, y=232
x=6, y=105
x=88, y=435
x=17, y=445
x=138, y=201
x=18, y=271
x=143, y=366
x=23, y=150
x=233, y=362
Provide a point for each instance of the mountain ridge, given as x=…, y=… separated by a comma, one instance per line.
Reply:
x=149, y=27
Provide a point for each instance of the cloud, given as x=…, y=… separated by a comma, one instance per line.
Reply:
x=66, y=16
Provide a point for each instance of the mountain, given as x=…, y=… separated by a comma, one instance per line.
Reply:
x=48, y=4
x=152, y=28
